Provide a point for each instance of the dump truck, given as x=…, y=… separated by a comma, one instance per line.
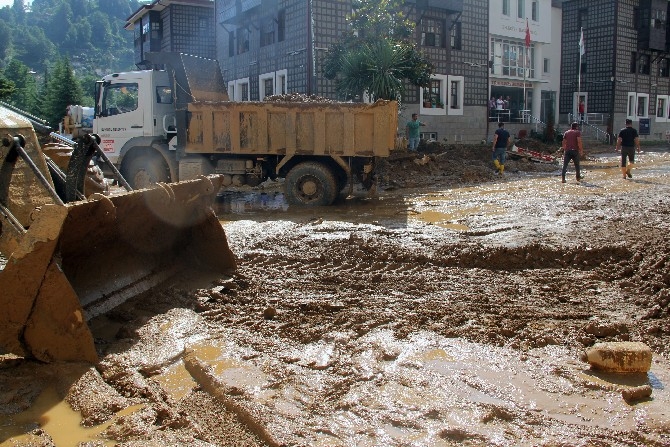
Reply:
x=175, y=122
x=70, y=258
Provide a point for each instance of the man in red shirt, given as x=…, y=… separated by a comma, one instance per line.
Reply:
x=572, y=150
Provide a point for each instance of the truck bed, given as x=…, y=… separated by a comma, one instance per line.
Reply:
x=292, y=128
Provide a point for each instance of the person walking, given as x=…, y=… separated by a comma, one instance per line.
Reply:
x=412, y=132
x=582, y=110
x=501, y=139
x=627, y=142
x=572, y=150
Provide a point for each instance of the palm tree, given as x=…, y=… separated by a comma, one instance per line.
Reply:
x=373, y=61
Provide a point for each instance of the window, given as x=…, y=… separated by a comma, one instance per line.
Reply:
x=455, y=36
x=510, y=57
x=428, y=136
x=642, y=105
x=119, y=98
x=643, y=65
x=535, y=11
x=633, y=62
x=266, y=85
x=231, y=43
x=546, y=66
x=521, y=9
x=281, y=25
x=638, y=105
x=658, y=19
x=164, y=95
x=582, y=16
x=432, y=32
x=456, y=90
x=664, y=67
x=238, y=90
x=242, y=37
x=505, y=7
x=434, y=97
x=231, y=90
x=267, y=31
x=281, y=82
x=662, y=105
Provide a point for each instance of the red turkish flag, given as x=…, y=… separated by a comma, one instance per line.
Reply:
x=527, y=35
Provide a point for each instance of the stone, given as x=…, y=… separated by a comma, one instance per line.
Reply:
x=620, y=357
x=636, y=393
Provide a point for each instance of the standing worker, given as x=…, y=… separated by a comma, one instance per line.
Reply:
x=627, y=142
x=501, y=140
x=581, y=109
x=412, y=132
x=572, y=150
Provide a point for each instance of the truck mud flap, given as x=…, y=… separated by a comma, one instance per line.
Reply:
x=79, y=260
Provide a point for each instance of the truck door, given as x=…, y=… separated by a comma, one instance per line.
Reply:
x=119, y=116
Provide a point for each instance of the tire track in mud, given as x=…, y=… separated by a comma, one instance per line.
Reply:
x=362, y=281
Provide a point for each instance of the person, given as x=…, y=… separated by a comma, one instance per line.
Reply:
x=627, y=142
x=500, y=103
x=412, y=132
x=492, y=106
x=572, y=150
x=501, y=139
x=507, y=103
x=582, y=109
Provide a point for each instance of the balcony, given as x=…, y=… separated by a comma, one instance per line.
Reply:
x=242, y=9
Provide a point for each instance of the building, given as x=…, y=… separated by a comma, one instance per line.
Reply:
x=277, y=47
x=524, y=65
x=182, y=26
x=624, y=71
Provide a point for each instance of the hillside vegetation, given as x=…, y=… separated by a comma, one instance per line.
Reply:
x=52, y=51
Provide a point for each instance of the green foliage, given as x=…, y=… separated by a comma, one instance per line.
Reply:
x=24, y=95
x=6, y=88
x=62, y=89
x=89, y=32
x=52, y=48
x=379, y=56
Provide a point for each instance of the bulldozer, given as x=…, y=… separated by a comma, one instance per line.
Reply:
x=74, y=252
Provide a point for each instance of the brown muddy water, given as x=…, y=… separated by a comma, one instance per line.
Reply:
x=442, y=315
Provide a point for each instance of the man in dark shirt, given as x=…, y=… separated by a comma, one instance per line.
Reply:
x=501, y=140
x=572, y=150
x=627, y=142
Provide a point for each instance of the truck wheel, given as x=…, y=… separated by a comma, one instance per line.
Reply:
x=145, y=170
x=311, y=184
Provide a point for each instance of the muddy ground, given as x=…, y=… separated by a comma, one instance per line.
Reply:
x=450, y=308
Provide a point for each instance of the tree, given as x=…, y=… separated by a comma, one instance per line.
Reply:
x=377, y=56
x=63, y=89
x=24, y=95
x=6, y=88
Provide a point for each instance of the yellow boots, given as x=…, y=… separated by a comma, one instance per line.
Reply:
x=499, y=167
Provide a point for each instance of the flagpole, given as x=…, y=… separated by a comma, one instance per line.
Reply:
x=525, y=66
x=579, y=69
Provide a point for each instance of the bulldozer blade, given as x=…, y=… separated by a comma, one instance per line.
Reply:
x=81, y=259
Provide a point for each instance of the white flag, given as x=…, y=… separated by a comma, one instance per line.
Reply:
x=582, y=50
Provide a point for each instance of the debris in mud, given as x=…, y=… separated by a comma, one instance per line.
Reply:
x=636, y=393
x=620, y=357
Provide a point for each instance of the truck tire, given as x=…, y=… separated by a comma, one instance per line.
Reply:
x=145, y=170
x=310, y=184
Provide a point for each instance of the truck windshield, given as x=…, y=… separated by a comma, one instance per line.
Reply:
x=119, y=98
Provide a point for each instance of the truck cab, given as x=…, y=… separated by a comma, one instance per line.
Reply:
x=133, y=109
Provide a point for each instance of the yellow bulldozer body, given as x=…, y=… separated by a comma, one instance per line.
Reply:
x=69, y=262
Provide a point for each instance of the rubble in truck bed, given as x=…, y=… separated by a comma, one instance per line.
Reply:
x=299, y=97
